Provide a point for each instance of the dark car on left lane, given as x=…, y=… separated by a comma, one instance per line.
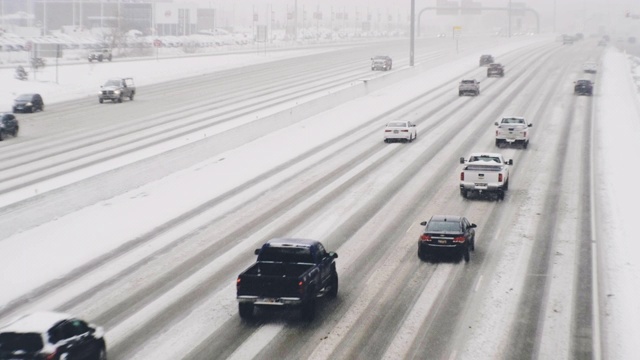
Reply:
x=28, y=103
x=52, y=335
x=8, y=125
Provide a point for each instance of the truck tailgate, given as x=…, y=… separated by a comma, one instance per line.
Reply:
x=272, y=280
x=481, y=175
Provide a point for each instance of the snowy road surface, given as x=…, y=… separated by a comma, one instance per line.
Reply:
x=138, y=216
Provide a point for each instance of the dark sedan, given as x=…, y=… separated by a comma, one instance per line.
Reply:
x=28, y=103
x=447, y=234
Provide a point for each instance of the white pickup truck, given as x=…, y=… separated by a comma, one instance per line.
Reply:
x=512, y=130
x=484, y=173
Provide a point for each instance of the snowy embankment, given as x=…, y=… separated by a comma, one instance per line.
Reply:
x=617, y=141
x=68, y=82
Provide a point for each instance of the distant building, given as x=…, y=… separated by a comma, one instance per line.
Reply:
x=160, y=17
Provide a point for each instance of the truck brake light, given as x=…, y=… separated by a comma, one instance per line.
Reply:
x=458, y=239
x=462, y=176
x=499, y=177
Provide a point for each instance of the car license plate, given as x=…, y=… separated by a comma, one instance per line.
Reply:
x=442, y=241
x=268, y=300
x=395, y=131
x=481, y=184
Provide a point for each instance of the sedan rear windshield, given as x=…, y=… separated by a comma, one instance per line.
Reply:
x=28, y=342
x=397, y=124
x=443, y=226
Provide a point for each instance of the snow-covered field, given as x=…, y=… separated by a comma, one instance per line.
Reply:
x=617, y=133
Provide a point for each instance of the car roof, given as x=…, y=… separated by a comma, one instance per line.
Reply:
x=452, y=218
x=381, y=57
x=297, y=242
x=35, y=322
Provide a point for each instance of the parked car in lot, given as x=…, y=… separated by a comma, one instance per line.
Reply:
x=512, y=130
x=447, y=234
x=288, y=273
x=400, y=131
x=28, y=103
x=52, y=336
x=381, y=62
x=100, y=55
x=8, y=125
x=583, y=87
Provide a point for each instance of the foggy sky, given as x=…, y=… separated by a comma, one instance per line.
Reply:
x=589, y=16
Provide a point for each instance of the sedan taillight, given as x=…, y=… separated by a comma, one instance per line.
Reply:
x=425, y=237
x=458, y=239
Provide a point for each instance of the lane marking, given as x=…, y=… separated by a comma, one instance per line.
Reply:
x=475, y=289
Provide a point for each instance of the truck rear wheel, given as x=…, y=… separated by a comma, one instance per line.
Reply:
x=333, y=292
x=245, y=310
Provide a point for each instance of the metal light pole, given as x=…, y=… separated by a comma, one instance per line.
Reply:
x=509, y=18
x=413, y=29
x=554, y=16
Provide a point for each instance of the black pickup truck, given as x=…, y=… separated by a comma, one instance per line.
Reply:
x=288, y=272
